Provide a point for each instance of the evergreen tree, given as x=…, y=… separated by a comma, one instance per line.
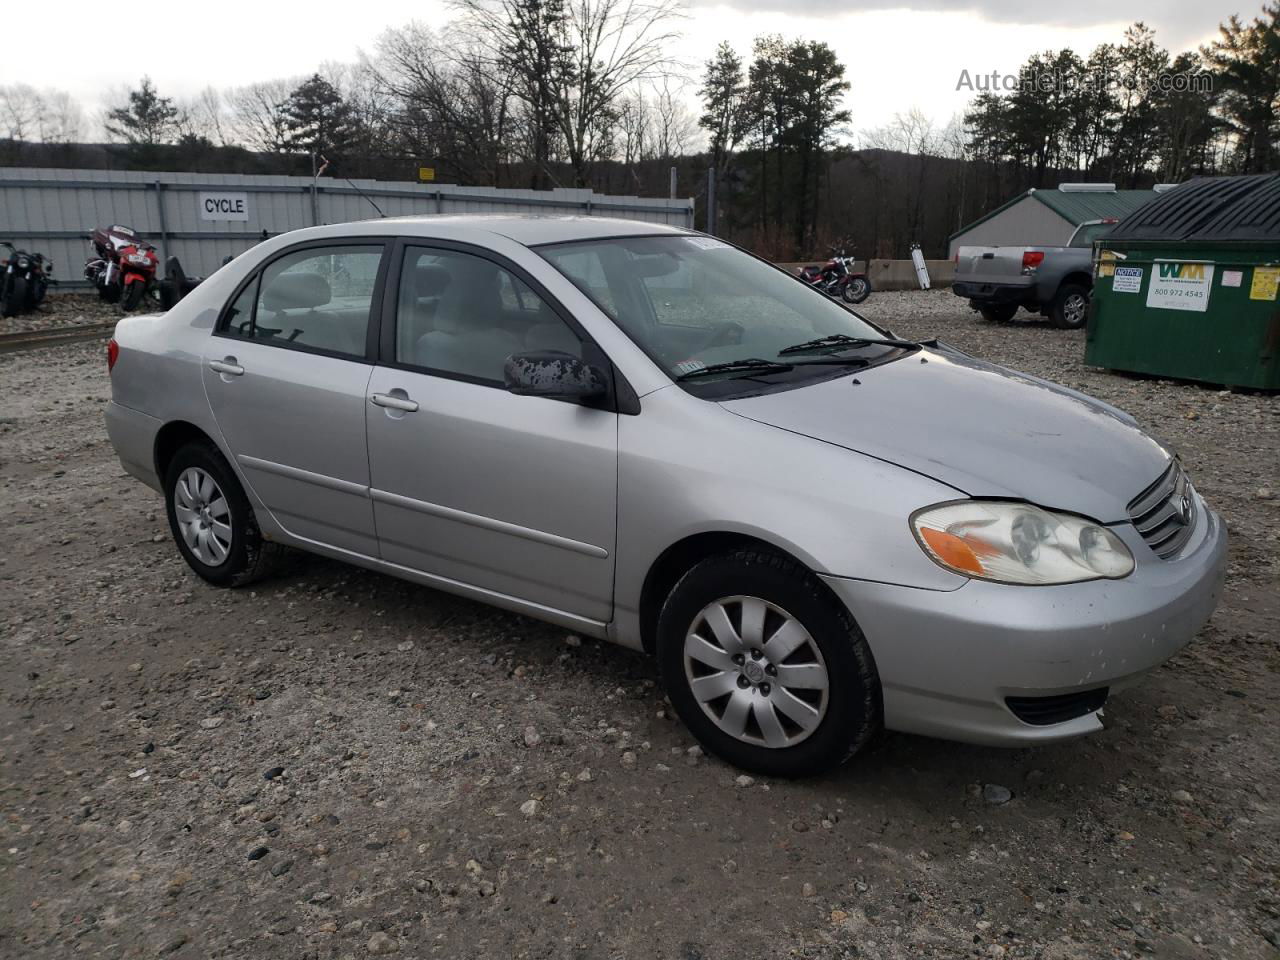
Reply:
x=147, y=120
x=1246, y=60
x=318, y=119
x=722, y=93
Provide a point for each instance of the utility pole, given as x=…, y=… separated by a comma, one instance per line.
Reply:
x=673, y=182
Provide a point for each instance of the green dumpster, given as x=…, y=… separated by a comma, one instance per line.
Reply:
x=1187, y=285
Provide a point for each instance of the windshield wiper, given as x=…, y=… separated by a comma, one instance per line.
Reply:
x=844, y=340
x=747, y=363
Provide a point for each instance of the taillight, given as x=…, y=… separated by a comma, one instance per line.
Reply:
x=1032, y=259
x=113, y=354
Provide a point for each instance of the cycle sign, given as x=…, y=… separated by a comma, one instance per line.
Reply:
x=224, y=206
x=1177, y=285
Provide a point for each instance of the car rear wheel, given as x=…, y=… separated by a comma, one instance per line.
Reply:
x=998, y=312
x=211, y=520
x=1070, y=307
x=765, y=667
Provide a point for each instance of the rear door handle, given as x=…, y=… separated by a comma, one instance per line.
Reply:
x=227, y=366
x=395, y=403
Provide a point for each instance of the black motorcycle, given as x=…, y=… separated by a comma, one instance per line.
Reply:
x=25, y=280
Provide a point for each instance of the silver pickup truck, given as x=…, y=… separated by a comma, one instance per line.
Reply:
x=1055, y=282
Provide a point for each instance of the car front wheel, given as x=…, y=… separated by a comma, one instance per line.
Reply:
x=765, y=667
x=211, y=520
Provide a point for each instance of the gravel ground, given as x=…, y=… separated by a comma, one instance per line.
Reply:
x=59, y=311
x=338, y=764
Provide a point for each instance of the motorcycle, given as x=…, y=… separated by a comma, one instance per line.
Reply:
x=25, y=280
x=837, y=278
x=123, y=268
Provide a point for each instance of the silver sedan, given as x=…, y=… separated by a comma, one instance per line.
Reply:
x=645, y=434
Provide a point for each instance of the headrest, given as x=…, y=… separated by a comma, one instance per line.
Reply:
x=430, y=280
x=295, y=291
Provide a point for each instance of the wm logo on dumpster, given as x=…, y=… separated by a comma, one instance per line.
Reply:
x=1182, y=271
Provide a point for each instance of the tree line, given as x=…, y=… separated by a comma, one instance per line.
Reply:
x=545, y=93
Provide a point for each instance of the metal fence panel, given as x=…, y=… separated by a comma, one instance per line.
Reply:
x=53, y=211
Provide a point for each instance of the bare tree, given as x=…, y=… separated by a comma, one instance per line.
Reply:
x=616, y=45
x=676, y=128
x=204, y=118
x=449, y=100
x=61, y=119
x=259, y=114
x=20, y=109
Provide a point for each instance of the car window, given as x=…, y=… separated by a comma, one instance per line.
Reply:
x=239, y=318
x=1089, y=232
x=462, y=314
x=320, y=298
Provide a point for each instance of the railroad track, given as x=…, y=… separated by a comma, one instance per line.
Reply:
x=54, y=337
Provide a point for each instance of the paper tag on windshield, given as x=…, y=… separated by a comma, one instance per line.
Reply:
x=688, y=366
x=707, y=243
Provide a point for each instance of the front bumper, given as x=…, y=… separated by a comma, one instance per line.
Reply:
x=948, y=660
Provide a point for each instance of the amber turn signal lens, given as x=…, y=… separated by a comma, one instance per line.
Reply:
x=952, y=550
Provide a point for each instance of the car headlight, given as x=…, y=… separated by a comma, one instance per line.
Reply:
x=1019, y=543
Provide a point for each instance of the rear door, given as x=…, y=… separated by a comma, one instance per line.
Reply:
x=286, y=373
x=514, y=495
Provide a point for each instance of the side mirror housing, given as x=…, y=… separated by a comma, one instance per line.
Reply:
x=554, y=374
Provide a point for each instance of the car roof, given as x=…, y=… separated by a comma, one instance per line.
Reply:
x=531, y=229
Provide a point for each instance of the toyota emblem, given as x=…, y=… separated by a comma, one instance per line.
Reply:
x=1184, y=509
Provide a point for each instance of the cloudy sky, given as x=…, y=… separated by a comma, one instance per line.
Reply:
x=899, y=53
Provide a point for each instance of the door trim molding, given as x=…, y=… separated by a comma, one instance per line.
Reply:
x=570, y=621
x=304, y=476
x=488, y=523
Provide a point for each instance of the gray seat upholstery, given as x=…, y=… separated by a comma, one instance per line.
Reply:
x=295, y=291
x=468, y=334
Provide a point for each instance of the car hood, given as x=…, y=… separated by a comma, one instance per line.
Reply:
x=980, y=428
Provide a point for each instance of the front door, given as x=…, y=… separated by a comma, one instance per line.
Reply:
x=287, y=373
x=514, y=495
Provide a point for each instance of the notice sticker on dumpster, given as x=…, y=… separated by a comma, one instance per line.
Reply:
x=1127, y=280
x=1232, y=278
x=1176, y=285
x=1266, y=280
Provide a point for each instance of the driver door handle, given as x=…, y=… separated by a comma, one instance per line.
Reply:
x=395, y=403
x=228, y=366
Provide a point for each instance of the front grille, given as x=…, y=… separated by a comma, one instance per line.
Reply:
x=1165, y=513
x=1043, y=711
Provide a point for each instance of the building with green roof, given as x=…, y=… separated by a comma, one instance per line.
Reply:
x=1049, y=217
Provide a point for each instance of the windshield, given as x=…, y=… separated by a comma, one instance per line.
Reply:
x=692, y=302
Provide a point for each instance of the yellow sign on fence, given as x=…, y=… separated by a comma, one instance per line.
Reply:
x=1266, y=280
x=426, y=174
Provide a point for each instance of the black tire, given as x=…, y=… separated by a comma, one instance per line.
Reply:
x=133, y=294
x=15, y=297
x=856, y=290
x=998, y=312
x=110, y=293
x=1070, y=307
x=853, y=709
x=249, y=556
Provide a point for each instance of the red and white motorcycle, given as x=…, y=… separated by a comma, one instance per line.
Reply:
x=123, y=267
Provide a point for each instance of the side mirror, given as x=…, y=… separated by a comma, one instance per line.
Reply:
x=553, y=373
